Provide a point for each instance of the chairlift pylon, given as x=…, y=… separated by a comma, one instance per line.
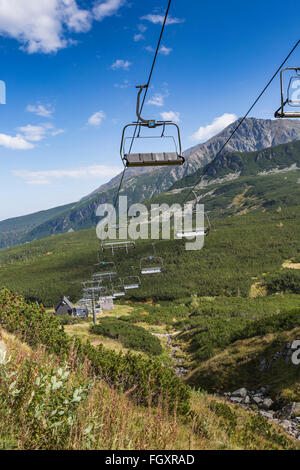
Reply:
x=130, y=159
x=292, y=97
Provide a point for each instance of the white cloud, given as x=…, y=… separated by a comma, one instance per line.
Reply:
x=84, y=173
x=33, y=133
x=107, y=8
x=43, y=25
x=142, y=28
x=138, y=37
x=40, y=110
x=156, y=100
x=218, y=124
x=57, y=132
x=149, y=48
x=159, y=19
x=165, y=50
x=40, y=24
x=15, y=143
x=123, y=85
x=38, y=133
x=96, y=119
x=27, y=136
x=121, y=64
x=171, y=116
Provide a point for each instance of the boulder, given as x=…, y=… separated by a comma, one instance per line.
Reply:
x=266, y=414
x=257, y=400
x=247, y=400
x=267, y=404
x=295, y=411
x=289, y=411
x=241, y=392
x=236, y=400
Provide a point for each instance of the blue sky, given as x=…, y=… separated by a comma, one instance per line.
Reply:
x=71, y=67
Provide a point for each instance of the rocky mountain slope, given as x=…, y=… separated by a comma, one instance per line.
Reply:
x=141, y=184
x=232, y=165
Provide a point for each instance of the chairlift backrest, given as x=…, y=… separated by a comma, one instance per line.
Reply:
x=292, y=96
x=293, y=93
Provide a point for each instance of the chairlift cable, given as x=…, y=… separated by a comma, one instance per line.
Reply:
x=146, y=92
x=246, y=115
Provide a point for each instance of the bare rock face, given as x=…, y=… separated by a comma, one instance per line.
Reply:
x=253, y=134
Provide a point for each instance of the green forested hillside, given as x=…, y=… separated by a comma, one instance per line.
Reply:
x=18, y=230
x=244, y=194
x=224, y=308
x=247, y=163
x=237, y=249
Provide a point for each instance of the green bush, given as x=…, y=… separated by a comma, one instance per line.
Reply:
x=272, y=324
x=131, y=336
x=206, y=335
x=50, y=404
x=284, y=281
x=145, y=378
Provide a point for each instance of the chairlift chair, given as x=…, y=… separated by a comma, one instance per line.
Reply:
x=132, y=282
x=109, y=270
x=151, y=265
x=92, y=287
x=118, y=245
x=118, y=289
x=197, y=231
x=130, y=159
x=292, y=97
x=94, y=290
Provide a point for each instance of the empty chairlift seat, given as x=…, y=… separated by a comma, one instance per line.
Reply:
x=118, y=289
x=105, y=269
x=151, y=265
x=153, y=159
x=134, y=159
x=118, y=245
x=203, y=225
x=132, y=282
x=193, y=233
